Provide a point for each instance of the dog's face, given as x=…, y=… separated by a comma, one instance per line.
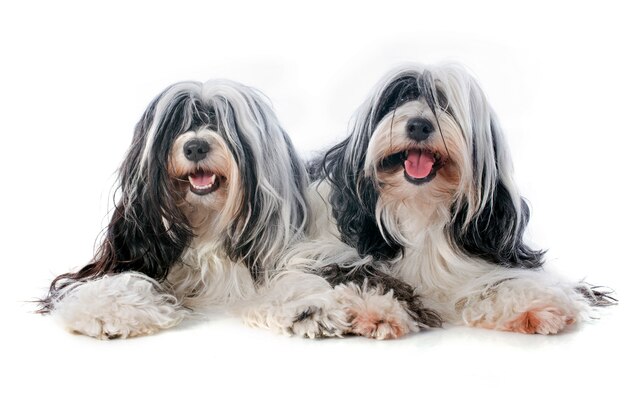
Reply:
x=205, y=173
x=219, y=165
x=426, y=151
x=416, y=154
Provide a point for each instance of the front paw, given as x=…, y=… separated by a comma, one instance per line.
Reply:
x=521, y=306
x=109, y=327
x=119, y=306
x=541, y=320
x=316, y=322
x=312, y=318
x=375, y=315
x=379, y=325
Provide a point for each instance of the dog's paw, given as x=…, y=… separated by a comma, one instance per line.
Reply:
x=109, y=328
x=313, y=316
x=316, y=322
x=120, y=322
x=378, y=325
x=375, y=315
x=541, y=320
x=120, y=306
x=523, y=306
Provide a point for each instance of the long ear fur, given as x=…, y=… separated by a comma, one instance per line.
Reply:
x=273, y=177
x=496, y=234
x=489, y=217
x=147, y=232
x=353, y=200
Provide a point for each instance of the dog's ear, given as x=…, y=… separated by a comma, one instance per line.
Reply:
x=147, y=232
x=489, y=217
x=489, y=221
x=272, y=208
x=496, y=233
x=353, y=199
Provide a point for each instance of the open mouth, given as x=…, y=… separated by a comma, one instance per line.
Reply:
x=203, y=182
x=420, y=165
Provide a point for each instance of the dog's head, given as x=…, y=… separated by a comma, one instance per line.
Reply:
x=207, y=161
x=428, y=140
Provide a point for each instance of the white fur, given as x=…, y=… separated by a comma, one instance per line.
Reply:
x=462, y=290
x=298, y=303
x=118, y=306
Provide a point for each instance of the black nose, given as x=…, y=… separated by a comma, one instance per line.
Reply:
x=419, y=129
x=196, y=149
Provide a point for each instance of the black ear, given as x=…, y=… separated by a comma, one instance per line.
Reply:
x=147, y=232
x=354, y=208
x=496, y=234
x=353, y=199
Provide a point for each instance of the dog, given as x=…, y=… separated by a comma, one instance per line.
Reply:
x=418, y=220
x=211, y=194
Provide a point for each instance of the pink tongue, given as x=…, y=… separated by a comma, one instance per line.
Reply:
x=201, y=179
x=419, y=164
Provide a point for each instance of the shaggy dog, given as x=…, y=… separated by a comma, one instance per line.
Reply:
x=417, y=213
x=211, y=194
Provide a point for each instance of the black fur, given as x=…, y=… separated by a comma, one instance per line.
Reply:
x=353, y=200
x=373, y=277
x=496, y=235
x=136, y=238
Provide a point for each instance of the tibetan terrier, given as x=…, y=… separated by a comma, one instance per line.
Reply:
x=211, y=194
x=419, y=221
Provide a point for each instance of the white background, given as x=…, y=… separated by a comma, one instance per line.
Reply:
x=75, y=78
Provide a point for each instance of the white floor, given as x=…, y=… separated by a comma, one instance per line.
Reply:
x=223, y=355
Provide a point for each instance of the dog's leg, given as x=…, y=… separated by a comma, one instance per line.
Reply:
x=117, y=306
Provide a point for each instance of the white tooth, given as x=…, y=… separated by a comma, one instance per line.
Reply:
x=208, y=185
